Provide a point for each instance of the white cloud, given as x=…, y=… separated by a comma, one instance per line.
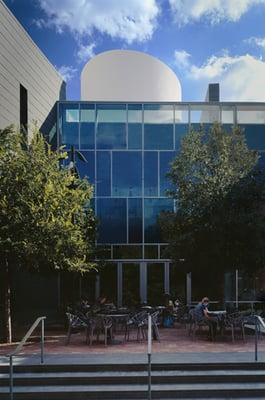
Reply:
x=66, y=72
x=215, y=11
x=130, y=20
x=241, y=78
x=84, y=53
x=182, y=58
x=258, y=41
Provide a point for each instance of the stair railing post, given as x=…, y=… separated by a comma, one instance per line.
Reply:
x=256, y=338
x=42, y=342
x=11, y=377
x=149, y=351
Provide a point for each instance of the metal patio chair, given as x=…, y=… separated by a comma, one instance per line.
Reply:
x=75, y=325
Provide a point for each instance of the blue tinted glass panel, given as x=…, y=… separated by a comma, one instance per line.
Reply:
x=261, y=162
x=111, y=136
x=127, y=173
x=87, y=126
x=255, y=136
x=180, y=131
x=103, y=173
x=112, y=220
x=87, y=169
x=69, y=124
x=205, y=127
x=165, y=159
x=151, y=173
x=134, y=136
x=152, y=210
x=158, y=136
x=87, y=135
x=135, y=220
x=111, y=126
x=227, y=127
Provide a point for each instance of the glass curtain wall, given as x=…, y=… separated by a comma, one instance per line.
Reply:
x=129, y=149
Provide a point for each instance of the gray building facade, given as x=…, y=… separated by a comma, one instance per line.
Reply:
x=29, y=84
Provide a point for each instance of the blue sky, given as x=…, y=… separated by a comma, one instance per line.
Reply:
x=201, y=40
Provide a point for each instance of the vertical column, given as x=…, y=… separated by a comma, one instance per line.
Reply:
x=143, y=282
x=188, y=288
x=119, y=285
x=166, y=278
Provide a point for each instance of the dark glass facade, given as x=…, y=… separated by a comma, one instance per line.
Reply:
x=129, y=148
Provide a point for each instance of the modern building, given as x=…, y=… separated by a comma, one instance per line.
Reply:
x=29, y=84
x=129, y=126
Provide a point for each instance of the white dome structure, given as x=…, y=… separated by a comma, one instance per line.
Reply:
x=126, y=75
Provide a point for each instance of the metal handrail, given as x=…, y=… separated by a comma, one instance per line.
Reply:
x=19, y=347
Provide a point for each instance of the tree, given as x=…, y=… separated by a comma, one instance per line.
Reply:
x=46, y=221
x=219, y=220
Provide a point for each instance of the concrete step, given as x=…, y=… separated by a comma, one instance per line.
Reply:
x=132, y=377
x=169, y=391
x=249, y=366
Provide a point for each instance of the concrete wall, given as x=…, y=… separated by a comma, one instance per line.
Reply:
x=22, y=62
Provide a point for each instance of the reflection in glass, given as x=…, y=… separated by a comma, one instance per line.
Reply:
x=181, y=114
x=155, y=284
x=152, y=210
x=251, y=114
x=127, y=173
x=166, y=158
x=130, y=284
x=111, y=213
x=87, y=169
x=135, y=212
x=204, y=114
x=158, y=136
x=135, y=113
x=87, y=126
x=134, y=136
x=204, y=127
x=103, y=173
x=69, y=124
x=227, y=115
x=111, y=126
x=158, y=114
x=255, y=136
x=180, y=131
x=151, y=173
x=158, y=127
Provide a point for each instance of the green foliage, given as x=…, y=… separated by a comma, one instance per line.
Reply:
x=219, y=221
x=45, y=217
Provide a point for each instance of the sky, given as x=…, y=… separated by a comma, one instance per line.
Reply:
x=203, y=41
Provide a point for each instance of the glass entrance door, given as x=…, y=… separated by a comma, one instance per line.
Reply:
x=155, y=283
x=130, y=284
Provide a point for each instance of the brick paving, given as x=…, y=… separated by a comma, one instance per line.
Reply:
x=173, y=340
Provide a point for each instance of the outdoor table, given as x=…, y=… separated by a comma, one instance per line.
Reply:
x=218, y=312
x=219, y=315
x=116, y=318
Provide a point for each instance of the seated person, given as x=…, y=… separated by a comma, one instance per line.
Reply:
x=168, y=312
x=201, y=312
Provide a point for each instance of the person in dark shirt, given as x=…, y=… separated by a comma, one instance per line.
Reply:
x=201, y=313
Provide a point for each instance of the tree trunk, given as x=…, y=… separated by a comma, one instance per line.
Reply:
x=7, y=305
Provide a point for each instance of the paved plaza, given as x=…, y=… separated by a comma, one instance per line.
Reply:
x=173, y=340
